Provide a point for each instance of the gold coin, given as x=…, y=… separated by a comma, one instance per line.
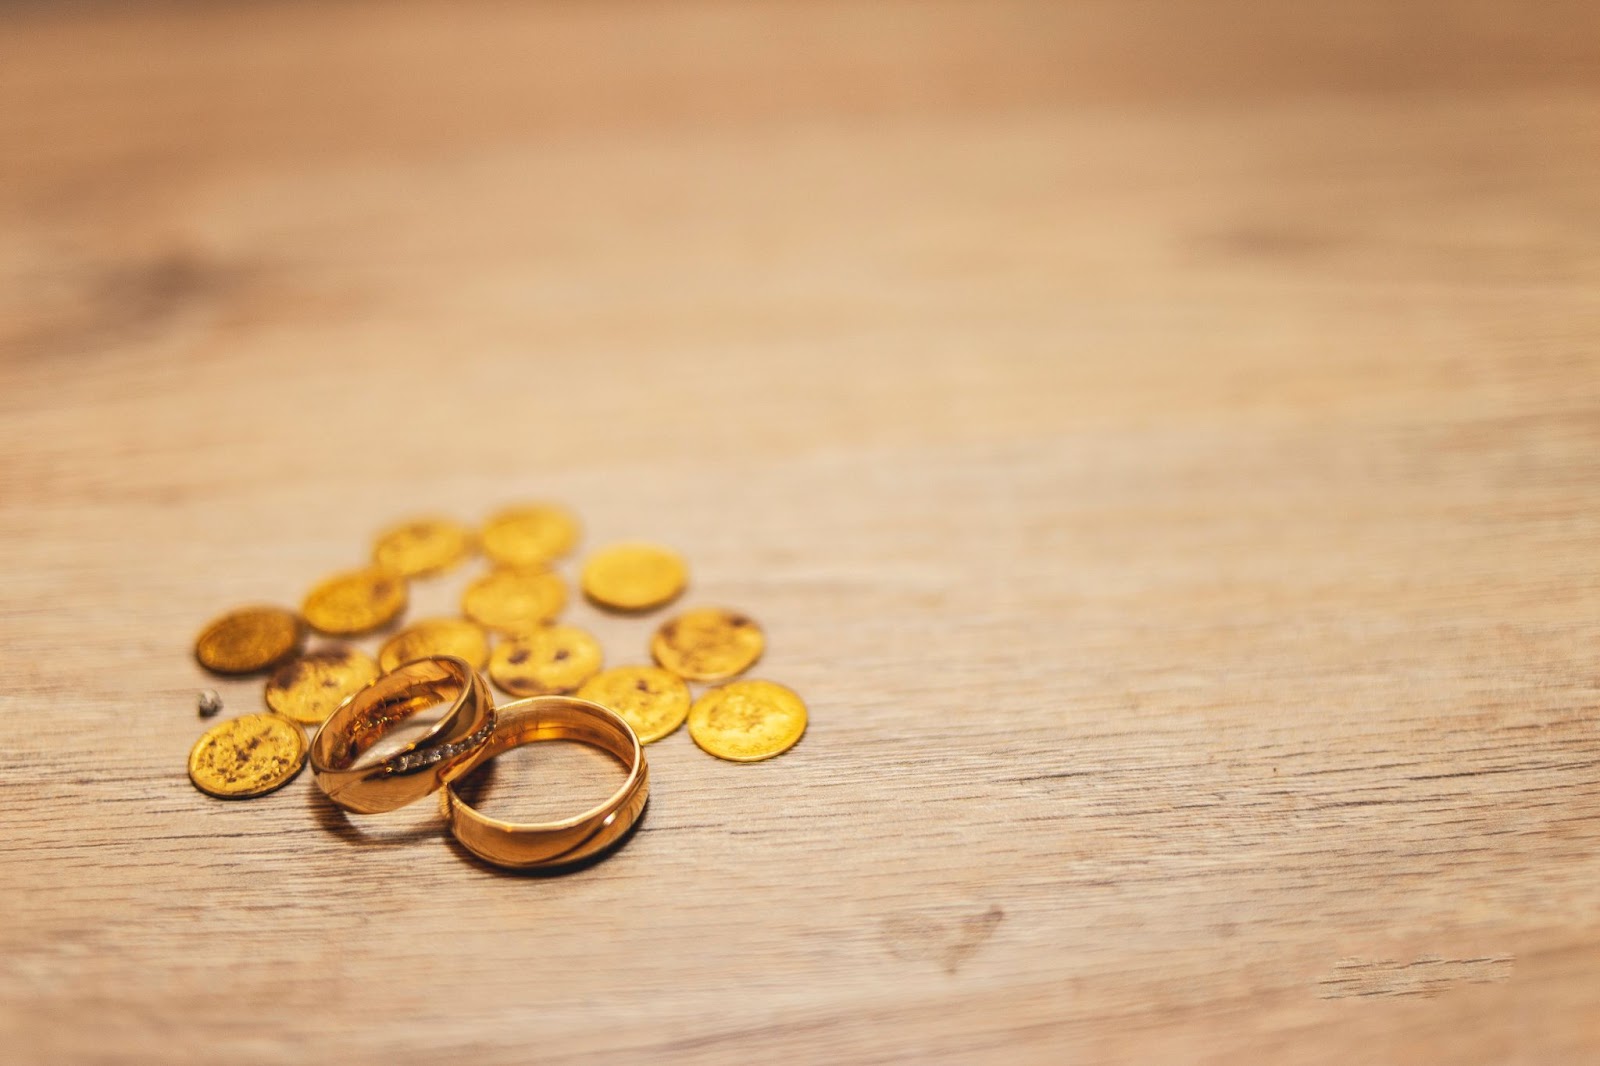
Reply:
x=654, y=701
x=747, y=721
x=545, y=662
x=530, y=536
x=308, y=689
x=634, y=577
x=356, y=601
x=422, y=546
x=436, y=636
x=514, y=600
x=708, y=644
x=247, y=756
x=249, y=639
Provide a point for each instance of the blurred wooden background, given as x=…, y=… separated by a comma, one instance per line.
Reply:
x=1162, y=441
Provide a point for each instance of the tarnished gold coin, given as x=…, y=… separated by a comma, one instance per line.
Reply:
x=545, y=662
x=747, y=721
x=422, y=546
x=356, y=601
x=307, y=689
x=436, y=636
x=247, y=756
x=514, y=600
x=708, y=644
x=652, y=700
x=249, y=639
x=634, y=577
x=530, y=536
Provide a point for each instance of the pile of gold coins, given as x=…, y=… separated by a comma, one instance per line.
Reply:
x=509, y=628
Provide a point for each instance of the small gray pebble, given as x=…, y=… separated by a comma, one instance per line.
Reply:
x=210, y=703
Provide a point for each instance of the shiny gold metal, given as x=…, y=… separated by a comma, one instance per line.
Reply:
x=545, y=845
x=445, y=751
x=356, y=601
x=530, y=536
x=545, y=661
x=436, y=636
x=307, y=689
x=652, y=700
x=514, y=600
x=708, y=644
x=634, y=577
x=423, y=546
x=747, y=721
x=247, y=756
x=249, y=639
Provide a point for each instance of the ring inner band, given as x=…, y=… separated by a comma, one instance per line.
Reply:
x=516, y=729
x=371, y=722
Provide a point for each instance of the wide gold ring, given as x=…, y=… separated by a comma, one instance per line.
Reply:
x=528, y=845
x=444, y=752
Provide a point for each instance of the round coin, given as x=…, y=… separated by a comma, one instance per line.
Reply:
x=356, y=601
x=634, y=577
x=708, y=644
x=308, y=689
x=436, y=636
x=249, y=639
x=422, y=546
x=747, y=721
x=545, y=662
x=514, y=600
x=247, y=756
x=530, y=536
x=654, y=701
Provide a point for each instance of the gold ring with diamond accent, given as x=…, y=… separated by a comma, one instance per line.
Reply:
x=446, y=751
x=543, y=845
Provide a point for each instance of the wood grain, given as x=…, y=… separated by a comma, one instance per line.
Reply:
x=1162, y=442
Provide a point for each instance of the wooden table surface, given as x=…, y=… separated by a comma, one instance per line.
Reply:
x=1162, y=442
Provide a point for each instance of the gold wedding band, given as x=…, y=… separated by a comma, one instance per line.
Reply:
x=444, y=752
x=524, y=845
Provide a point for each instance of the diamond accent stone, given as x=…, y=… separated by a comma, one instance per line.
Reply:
x=417, y=758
